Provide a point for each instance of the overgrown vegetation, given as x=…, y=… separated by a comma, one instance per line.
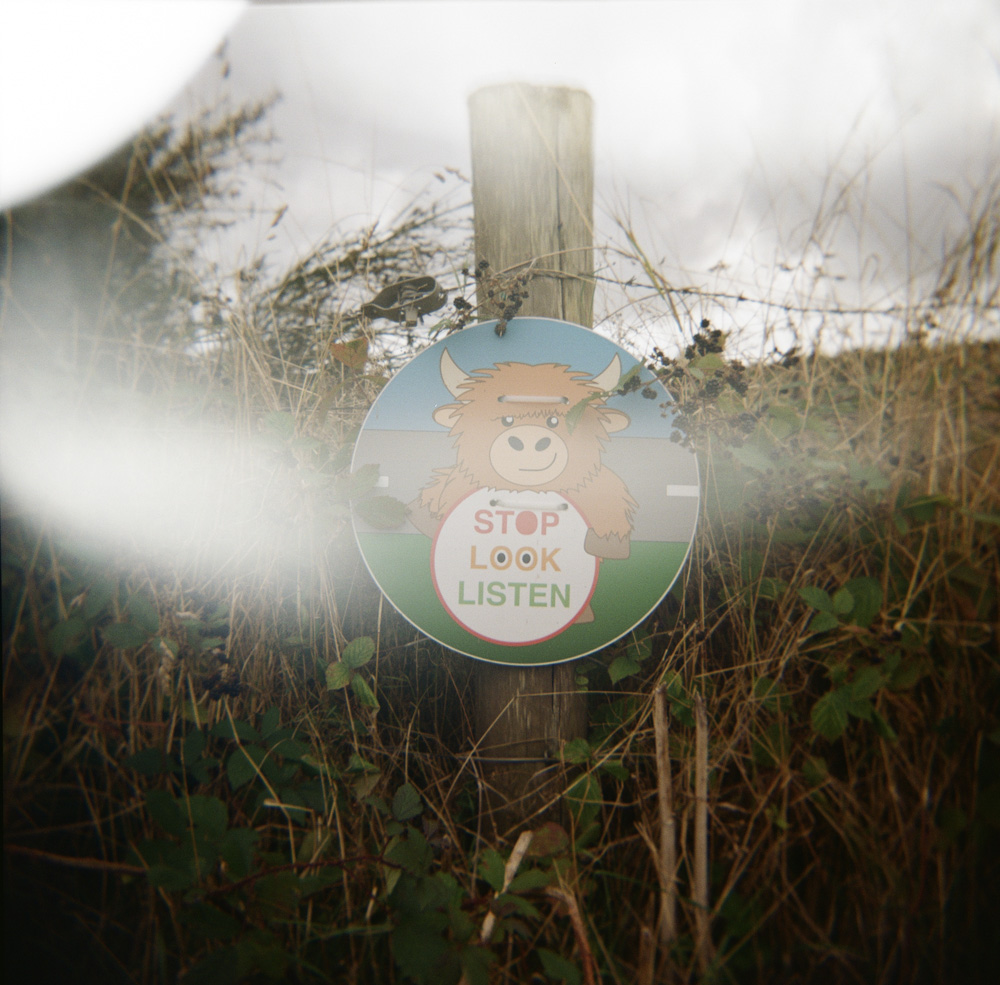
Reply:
x=246, y=768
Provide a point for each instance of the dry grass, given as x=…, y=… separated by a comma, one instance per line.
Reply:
x=856, y=851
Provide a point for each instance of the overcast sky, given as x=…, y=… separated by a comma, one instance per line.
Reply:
x=723, y=128
x=716, y=123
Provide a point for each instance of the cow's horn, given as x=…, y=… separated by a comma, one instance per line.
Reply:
x=452, y=376
x=608, y=378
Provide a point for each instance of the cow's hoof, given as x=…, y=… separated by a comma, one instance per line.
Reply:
x=611, y=547
x=422, y=518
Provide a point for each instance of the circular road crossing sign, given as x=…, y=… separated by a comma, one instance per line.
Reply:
x=549, y=505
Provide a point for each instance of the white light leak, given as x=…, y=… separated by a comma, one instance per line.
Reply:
x=118, y=482
x=77, y=79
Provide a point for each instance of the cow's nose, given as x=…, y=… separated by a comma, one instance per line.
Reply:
x=516, y=443
x=543, y=444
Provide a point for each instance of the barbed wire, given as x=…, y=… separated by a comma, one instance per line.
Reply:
x=933, y=304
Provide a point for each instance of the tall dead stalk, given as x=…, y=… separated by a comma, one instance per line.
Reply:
x=703, y=939
x=667, y=856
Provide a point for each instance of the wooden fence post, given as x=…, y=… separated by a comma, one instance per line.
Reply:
x=532, y=193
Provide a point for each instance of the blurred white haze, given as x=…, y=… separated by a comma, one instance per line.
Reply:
x=723, y=130
x=727, y=133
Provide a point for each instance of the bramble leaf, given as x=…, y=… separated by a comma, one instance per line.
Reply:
x=406, y=803
x=358, y=652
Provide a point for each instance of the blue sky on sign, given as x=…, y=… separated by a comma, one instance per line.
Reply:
x=410, y=399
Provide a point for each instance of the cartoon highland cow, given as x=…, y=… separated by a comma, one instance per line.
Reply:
x=510, y=430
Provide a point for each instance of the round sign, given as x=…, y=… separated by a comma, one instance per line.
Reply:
x=549, y=507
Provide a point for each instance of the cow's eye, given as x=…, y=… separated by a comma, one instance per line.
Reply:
x=507, y=420
x=553, y=421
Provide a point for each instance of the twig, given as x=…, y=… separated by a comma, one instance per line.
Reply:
x=569, y=901
x=647, y=957
x=667, y=856
x=704, y=940
x=77, y=863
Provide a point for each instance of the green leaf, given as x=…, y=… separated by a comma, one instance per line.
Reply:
x=208, y=923
x=241, y=767
x=550, y=839
x=99, y=595
x=143, y=614
x=262, y=953
x=867, y=595
x=289, y=748
x=236, y=850
x=557, y=968
x=575, y=413
x=209, y=814
x=65, y=636
x=923, y=508
x=639, y=648
x=358, y=764
x=476, y=964
x=279, y=422
x=358, y=652
x=192, y=746
x=271, y=721
x=622, y=666
x=883, y=728
x=166, y=812
x=753, y=459
x=868, y=476
x=491, y=868
x=406, y=803
x=815, y=770
x=530, y=879
x=866, y=682
x=771, y=694
x=710, y=361
x=910, y=670
x=829, y=714
x=843, y=602
x=364, y=693
x=817, y=598
x=576, y=751
x=381, y=512
x=860, y=708
x=412, y=852
x=584, y=799
x=771, y=588
x=151, y=762
x=822, y=622
x=338, y=675
x=420, y=949
x=170, y=878
x=363, y=481
x=235, y=729
x=124, y=635
x=614, y=768
x=993, y=519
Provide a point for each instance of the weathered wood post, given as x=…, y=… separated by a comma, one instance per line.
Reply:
x=532, y=193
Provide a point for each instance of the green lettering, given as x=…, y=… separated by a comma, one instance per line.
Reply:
x=556, y=594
